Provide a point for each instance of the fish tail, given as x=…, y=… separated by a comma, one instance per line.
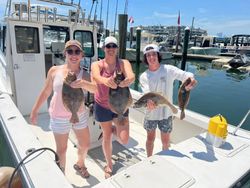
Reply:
x=74, y=118
x=121, y=120
x=182, y=115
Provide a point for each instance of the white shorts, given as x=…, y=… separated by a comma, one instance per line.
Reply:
x=63, y=126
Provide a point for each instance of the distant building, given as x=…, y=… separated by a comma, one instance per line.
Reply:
x=170, y=31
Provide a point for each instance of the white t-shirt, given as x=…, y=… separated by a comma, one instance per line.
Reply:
x=162, y=81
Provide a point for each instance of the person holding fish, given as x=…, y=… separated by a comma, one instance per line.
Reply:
x=67, y=109
x=106, y=72
x=160, y=79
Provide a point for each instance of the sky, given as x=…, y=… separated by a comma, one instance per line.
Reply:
x=227, y=17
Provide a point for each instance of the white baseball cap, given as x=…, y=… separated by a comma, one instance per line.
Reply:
x=109, y=40
x=151, y=48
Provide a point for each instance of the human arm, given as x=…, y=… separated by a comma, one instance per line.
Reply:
x=86, y=83
x=44, y=94
x=128, y=73
x=144, y=83
x=183, y=76
x=96, y=76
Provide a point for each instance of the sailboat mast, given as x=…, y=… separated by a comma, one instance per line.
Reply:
x=115, y=15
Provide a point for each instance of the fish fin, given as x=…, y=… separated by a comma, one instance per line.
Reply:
x=121, y=120
x=171, y=106
x=182, y=115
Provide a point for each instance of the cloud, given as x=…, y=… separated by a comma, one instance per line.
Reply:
x=164, y=15
x=227, y=27
x=202, y=10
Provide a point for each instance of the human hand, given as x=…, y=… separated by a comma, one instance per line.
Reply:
x=33, y=118
x=192, y=84
x=111, y=83
x=151, y=105
x=125, y=83
x=77, y=83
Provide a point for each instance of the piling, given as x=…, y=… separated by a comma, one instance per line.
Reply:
x=123, y=19
x=138, y=61
x=185, y=47
x=106, y=32
x=131, y=37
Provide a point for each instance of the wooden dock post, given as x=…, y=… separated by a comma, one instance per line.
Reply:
x=138, y=61
x=185, y=47
x=123, y=19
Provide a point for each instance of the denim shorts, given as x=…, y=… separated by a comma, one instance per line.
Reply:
x=103, y=114
x=165, y=125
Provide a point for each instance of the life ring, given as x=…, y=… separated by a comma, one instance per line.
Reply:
x=5, y=175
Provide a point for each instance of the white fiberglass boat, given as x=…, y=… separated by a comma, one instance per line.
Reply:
x=29, y=47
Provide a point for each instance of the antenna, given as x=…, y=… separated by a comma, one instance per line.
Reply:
x=7, y=8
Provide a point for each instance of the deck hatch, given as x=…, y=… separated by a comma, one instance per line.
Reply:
x=153, y=172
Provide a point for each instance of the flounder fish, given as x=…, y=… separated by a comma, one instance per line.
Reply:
x=157, y=98
x=183, y=97
x=120, y=99
x=73, y=98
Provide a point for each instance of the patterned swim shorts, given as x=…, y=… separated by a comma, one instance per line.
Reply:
x=165, y=125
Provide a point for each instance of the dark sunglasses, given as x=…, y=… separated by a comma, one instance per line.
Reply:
x=111, y=46
x=71, y=52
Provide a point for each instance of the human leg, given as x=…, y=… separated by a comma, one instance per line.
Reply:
x=165, y=140
x=61, y=148
x=83, y=138
x=105, y=117
x=150, y=142
x=122, y=131
x=107, y=146
x=150, y=126
x=165, y=127
x=60, y=128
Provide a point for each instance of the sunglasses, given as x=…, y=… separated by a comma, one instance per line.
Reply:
x=75, y=52
x=111, y=46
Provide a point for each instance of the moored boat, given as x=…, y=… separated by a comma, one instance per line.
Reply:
x=239, y=60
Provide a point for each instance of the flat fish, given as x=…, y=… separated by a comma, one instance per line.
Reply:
x=73, y=98
x=120, y=99
x=183, y=97
x=157, y=98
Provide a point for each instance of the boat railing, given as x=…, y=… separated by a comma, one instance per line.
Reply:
x=39, y=12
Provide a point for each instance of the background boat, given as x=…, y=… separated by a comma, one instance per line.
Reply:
x=207, y=47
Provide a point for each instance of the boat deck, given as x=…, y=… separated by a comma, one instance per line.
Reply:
x=123, y=155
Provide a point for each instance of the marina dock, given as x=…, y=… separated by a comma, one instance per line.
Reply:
x=217, y=61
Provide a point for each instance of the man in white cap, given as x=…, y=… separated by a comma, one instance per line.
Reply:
x=160, y=78
x=103, y=73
